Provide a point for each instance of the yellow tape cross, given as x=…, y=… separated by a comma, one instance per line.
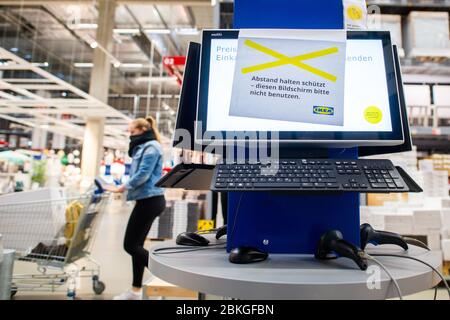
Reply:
x=283, y=60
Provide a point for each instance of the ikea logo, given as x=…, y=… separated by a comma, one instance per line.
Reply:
x=328, y=111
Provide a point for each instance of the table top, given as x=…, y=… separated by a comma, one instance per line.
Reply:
x=295, y=276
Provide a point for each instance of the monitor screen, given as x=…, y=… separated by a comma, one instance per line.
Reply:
x=188, y=100
x=369, y=81
x=407, y=144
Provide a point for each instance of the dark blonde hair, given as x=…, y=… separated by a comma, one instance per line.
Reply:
x=147, y=124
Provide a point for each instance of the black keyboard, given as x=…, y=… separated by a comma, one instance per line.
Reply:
x=362, y=175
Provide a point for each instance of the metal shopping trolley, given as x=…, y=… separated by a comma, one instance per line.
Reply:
x=54, y=235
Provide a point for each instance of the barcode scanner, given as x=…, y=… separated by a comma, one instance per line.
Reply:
x=369, y=235
x=332, y=245
x=196, y=239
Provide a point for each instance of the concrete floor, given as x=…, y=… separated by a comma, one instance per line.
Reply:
x=116, y=264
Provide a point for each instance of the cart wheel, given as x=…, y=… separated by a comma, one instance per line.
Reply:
x=71, y=294
x=13, y=291
x=97, y=285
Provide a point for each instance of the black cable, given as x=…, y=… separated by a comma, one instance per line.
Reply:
x=418, y=260
x=186, y=249
x=236, y=213
x=396, y=285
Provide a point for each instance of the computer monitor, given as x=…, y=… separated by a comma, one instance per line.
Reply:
x=188, y=101
x=407, y=144
x=369, y=80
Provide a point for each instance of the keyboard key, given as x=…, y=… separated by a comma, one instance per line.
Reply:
x=392, y=186
x=306, y=185
x=346, y=185
x=399, y=184
x=220, y=185
x=231, y=185
x=378, y=185
x=248, y=185
x=240, y=185
x=363, y=186
x=394, y=174
x=275, y=185
x=352, y=180
x=332, y=185
x=355, y=185
x=319, y=185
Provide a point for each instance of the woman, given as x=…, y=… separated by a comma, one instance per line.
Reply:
x=146, y=169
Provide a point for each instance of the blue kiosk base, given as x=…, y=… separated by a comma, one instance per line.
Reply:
x=279, y=222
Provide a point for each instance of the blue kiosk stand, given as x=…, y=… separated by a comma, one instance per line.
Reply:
x=281, y=222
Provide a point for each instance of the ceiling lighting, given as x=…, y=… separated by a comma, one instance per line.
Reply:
x=157, y=31
x=14, y=49
x=40, y=64
x=156, y=79
x=94, y=44
x=116, y=64
x=45, y=126
x=187, y=31
x=83, y=26
x=126, y=31
x=83, y=64
x=132, y=65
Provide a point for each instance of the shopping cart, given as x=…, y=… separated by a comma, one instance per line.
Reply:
x=54, y=235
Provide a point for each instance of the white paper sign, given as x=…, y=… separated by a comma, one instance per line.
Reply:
x=294, y=75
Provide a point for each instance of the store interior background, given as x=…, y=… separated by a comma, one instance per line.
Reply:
x=129, y=57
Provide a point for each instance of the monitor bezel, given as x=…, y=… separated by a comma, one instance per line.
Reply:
x=343, y=138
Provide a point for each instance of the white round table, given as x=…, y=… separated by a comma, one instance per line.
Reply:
x=295, y=276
